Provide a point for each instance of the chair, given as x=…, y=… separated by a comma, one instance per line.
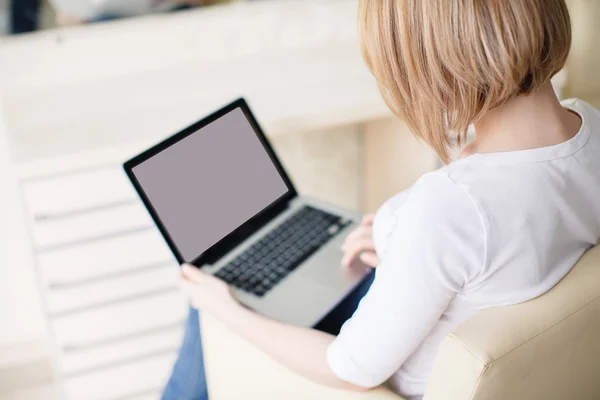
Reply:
x=547, y=348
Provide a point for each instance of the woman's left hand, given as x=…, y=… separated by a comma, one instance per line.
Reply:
x=206, y=292
x=300, y=349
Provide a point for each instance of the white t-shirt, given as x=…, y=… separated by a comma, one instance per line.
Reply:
x=487, y=230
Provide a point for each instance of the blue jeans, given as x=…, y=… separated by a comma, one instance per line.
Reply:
x=187, y=380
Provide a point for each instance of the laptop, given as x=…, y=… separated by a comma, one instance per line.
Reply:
x=224, y=203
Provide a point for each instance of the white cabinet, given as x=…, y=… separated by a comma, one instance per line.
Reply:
x=109, y=283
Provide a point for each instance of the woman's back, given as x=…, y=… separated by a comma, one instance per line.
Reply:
x=541, y=204
x=540, y=211
x=487, y=230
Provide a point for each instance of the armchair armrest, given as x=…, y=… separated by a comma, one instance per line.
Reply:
x=237, y=370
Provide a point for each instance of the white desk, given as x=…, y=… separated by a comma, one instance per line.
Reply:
x=76, y=102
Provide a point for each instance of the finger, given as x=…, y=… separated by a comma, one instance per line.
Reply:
x=367, y=219
x=198, y=277
x=358, y=232
x=193, y=274
x=354, y=251
x=352, y=235
x=359, y=237
x=365, y=224
x=184, y=279
x=369, y=258
x=187, y=286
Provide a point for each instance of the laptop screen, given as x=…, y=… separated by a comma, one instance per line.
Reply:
x=208, y=184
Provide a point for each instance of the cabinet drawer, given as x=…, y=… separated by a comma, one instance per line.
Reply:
x=134, y=379
x=103, y=257
x=114, y=353
x=120, y=320
x=84, y=190
x=95, y=224
x=95, y=293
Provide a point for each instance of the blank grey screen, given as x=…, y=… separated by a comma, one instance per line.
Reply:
x=208, y=184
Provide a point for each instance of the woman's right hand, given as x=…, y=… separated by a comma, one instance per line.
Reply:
x=359, y=244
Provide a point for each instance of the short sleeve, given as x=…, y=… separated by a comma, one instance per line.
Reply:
x=437, y=244
x=384, y=220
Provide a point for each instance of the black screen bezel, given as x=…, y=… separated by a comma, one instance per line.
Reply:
x=230, y=241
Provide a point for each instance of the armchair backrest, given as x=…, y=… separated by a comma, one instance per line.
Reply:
x=547, y=348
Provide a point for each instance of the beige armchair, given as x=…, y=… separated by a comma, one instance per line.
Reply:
x=547, y=348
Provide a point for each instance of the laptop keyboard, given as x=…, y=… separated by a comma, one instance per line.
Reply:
x=272, y=258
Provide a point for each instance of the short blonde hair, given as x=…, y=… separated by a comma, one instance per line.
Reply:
x=442, y=64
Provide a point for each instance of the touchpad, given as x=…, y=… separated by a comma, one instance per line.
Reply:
x=302, y=302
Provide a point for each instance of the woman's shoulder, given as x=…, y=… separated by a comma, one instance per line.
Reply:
x=580, y=106
x=440, y=213
x=448, y=179
x=438, y=196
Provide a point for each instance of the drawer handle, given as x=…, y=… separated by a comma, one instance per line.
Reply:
x=108, y=303
x=46, y=216
x=97, y=238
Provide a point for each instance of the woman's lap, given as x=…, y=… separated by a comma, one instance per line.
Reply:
x=187, y=381
x=332, y=323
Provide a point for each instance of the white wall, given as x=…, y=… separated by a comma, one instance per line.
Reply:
x=584, y=62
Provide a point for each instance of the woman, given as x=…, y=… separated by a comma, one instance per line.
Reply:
x=500, y=225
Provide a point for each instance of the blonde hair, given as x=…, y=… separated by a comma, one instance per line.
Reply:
x=442, y=64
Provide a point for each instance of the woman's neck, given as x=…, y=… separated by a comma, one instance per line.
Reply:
x=525, y=122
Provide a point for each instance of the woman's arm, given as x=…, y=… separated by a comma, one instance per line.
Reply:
x=302, y=350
